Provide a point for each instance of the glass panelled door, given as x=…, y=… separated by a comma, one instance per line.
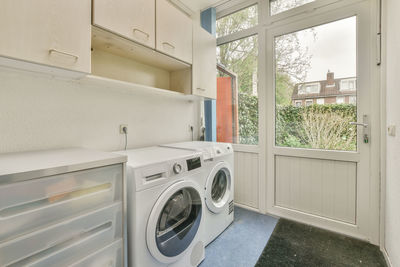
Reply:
x=321, y=76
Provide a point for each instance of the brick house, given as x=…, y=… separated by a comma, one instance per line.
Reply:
x=329, y=91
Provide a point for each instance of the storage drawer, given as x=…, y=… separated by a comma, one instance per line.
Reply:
x=109, y=256
x=29, y=205
x=107, y=219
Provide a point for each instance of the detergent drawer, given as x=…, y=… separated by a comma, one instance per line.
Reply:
x=109, y=256
x=66, y=242
x=30, y=205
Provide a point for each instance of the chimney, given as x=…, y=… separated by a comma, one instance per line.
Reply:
x=330, y=78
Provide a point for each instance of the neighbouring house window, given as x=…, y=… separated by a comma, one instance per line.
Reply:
x=312, y=88
x=353, y=100
x=320, y=101
x=238, y=21
x=309, y=102
x=278, y=6
x=237, y=79
x=298, y=103
x=348, y=85
x=340, y=100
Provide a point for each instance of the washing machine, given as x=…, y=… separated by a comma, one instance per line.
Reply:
x=218, y=183
x=165, y=207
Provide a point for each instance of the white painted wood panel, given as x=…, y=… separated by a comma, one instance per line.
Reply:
x=133, y=19
x=174, y=33
x=246, y=179
x=53, y=33
x=204, y=63
x=320, y=187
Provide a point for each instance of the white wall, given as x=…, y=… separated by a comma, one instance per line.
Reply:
x=40, y=112
x=392, y=210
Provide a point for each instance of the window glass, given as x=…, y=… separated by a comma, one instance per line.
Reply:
x=238, y=21
x=309, y=88
x=311, y=69
x=348, y=84
x=278, y=6
x=237, y=92
x=340, y=100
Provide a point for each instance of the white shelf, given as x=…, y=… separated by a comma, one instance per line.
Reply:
x=139, y=88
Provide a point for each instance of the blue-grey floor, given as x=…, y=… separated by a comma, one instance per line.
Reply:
x=242, y=243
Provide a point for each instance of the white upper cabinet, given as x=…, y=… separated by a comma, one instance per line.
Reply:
x=174, y=31
x=132, y=19
x=204, y=63
x=49, y=32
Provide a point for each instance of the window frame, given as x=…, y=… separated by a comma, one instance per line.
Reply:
x=347, y=80
x=340, y=97
x=323, y=101
x=298, y=102
x=234, y=7
x=305, y=92
x=308, y=101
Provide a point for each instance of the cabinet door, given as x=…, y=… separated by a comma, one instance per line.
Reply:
x=133, y=19
x=174, y=31
x=50, y=32
x=204, y=63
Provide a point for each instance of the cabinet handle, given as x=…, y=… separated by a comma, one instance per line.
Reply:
x=51, y=51
x=170, y=45
x=201, y=89
x=138, y=30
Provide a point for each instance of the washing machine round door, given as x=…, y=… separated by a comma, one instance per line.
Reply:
x=174, y=221
x=218, y=187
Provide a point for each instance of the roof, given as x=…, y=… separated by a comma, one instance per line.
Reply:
x=325, y=91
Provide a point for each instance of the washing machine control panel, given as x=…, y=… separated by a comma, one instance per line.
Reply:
x=193, y=163
x=177, y=168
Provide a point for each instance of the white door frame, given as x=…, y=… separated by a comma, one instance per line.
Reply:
x=367, y=157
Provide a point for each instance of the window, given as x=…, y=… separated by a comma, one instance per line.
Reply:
x=238, y=21
x=353, y=100
x=340, y=100
x=237, y=93
x=320, y=101
x=278, y=6
x=309, y=102
x=298, y=103
x=348, y=85
x=312, y=88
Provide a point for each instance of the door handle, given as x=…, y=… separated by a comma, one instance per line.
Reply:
x=366, y=128
x=170, y=45
x=142, y=32
x=365, y=125
x=51, y=51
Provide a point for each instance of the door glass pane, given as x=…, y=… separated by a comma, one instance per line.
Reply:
x=237, y=92
x=238, y=21
x=219, y=186
x=316, y=88
x=178, y=222
x=278, y=6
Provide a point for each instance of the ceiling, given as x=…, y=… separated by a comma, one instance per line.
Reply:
x=197, y=5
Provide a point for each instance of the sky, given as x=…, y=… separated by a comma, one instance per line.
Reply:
x=334, y=48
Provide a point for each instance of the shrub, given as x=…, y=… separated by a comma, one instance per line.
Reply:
x=248, y=119
x=317, y=126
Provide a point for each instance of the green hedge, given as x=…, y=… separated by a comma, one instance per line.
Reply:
x=316, y=126
x=248, y=119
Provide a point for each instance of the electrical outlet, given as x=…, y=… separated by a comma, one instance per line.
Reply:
x=121, y=128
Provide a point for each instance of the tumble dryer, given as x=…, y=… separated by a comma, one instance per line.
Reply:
x=218, y=182
x=165, y=207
